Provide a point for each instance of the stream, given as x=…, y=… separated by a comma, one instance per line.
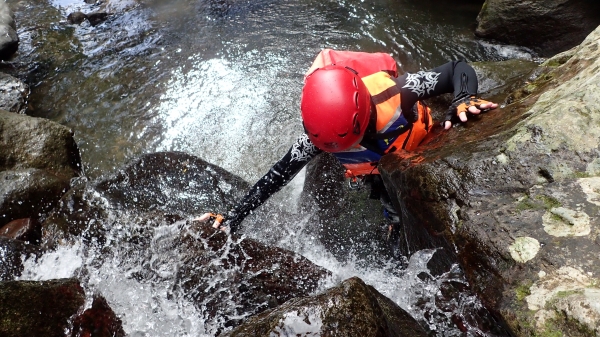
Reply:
x=221, y=80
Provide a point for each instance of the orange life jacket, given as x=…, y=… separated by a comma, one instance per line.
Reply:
x=376, y=70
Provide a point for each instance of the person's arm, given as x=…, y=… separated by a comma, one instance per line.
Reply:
x=301, y=152
x=456, y=77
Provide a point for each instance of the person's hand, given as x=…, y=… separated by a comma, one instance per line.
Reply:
x=227, y=223
x=218, y=220
x=460, y=107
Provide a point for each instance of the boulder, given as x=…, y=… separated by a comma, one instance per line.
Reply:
x=38, y=158
x=27, y=230
x=98, y=321
x=9, y=40
x=349, y=309
x=513, y=193
x=547, y=26
x=39, y=308
x=13, y=94
x=258, y=277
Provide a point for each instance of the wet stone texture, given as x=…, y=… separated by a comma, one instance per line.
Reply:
x=514, y=194
x=349, y=309
x=45, y=308
x=235, y=278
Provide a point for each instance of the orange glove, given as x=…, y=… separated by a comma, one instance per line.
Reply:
x=460, y=108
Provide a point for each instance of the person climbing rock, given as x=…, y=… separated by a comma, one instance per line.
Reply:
x=355, y=106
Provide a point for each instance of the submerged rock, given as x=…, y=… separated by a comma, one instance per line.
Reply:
x=12, y=254
x=548, y=26
x=349, y=309
x=513, y=193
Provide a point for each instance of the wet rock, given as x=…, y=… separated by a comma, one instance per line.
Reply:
x=27, y=230
x=166, y=182
x=44, y=308
x=98, y=321
x=97, y=18
x=548, y=27
x=13, y=94
x=9, y=40
x=76, y=18
x=350, y=309
x=514, y=193
x=38, y=160
x=12, y=254
x=230, y=275
x=141, y=211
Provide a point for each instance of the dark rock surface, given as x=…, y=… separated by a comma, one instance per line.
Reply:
x=349, y=309
x=44, y=308
x=546, y=26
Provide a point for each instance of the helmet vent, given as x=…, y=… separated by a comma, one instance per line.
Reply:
x=356, y=129
x=356, y=100
x=354, y=82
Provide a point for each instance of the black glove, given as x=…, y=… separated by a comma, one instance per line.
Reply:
x=461, y=106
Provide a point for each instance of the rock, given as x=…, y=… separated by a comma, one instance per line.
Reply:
x=166, y=183
x=98, y=321
x=259, y=277
x=97, y=18
x=514, y=194
x=27, y=230
x=76, y=18
x=9, y=40
x=13, y=94
x=38, y=159
x=349, y=309
x=12, y=254
x=548, y=26
x=45, y=308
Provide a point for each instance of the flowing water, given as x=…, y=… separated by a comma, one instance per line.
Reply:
x=221, y=79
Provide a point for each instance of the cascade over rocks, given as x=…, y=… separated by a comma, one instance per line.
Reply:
x=514, y=194
x=349, y=309
x=547, y=26
x=141, y=211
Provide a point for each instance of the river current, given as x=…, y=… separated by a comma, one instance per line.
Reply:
x=221, y=79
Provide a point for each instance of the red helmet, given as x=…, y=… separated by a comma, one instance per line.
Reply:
x=335, y=108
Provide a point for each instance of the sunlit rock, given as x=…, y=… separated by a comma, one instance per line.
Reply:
x=39, y=158
x=526, y=170
x=44, y=308
x=350, y=309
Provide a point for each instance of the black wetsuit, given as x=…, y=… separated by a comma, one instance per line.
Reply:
x=453, y=77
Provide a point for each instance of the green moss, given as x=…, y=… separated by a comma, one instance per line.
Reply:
x=582, y=174
x=549, y=202
x=526, y=204
x=523, y=291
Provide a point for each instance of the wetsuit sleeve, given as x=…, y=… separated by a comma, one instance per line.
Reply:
x=456, y=77
x=301, y=152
